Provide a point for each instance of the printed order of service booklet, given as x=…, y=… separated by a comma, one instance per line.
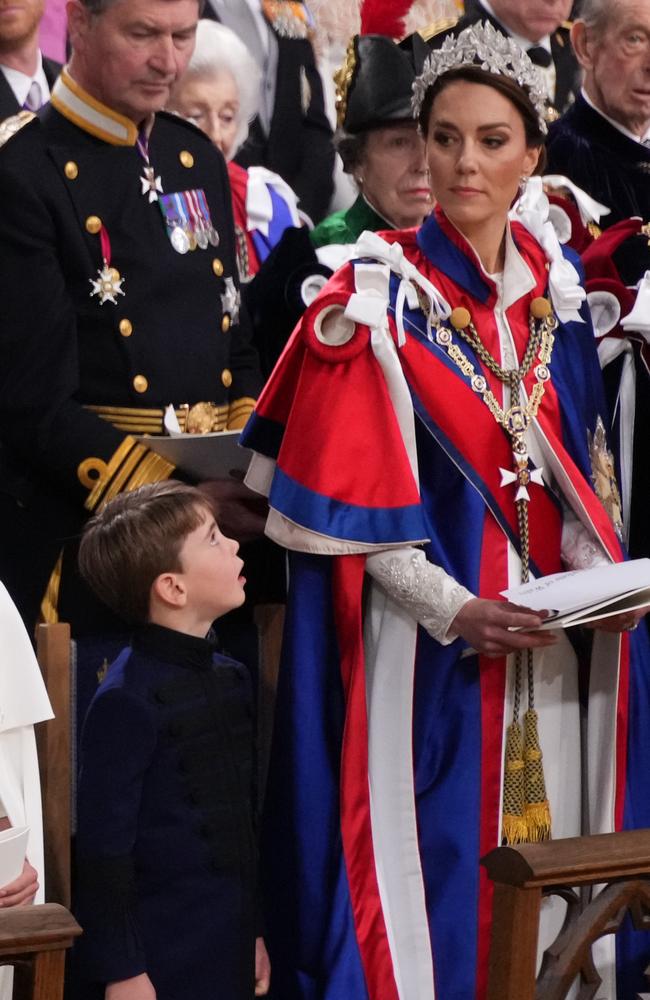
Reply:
x=204, y=456
x=585, y=595
x=13, y=847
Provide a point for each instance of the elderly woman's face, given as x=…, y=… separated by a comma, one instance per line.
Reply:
x=392, y=174
x=477, y=153
x=212, y=103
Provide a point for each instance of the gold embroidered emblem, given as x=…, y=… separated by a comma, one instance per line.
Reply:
x=342, y=81
x=103, y=670
x=603, y=476
x=10, y=126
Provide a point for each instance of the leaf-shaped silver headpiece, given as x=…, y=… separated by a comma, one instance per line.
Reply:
x=483, y=46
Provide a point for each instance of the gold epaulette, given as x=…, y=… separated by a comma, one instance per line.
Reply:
x=436, y=27
x=131, y=465
x=10, y=126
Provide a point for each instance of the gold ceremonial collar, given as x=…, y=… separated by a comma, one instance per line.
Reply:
x=79, y=107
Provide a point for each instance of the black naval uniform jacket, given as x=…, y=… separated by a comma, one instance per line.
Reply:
x=166, y=852
x=167, y=339
x=613, y=168
x=567, y=70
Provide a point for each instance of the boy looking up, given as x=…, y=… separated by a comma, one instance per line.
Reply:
x=166, y=883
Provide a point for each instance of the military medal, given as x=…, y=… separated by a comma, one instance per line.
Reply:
x=151, y=184
x=108, y=283
x=231, y=300
x=179, y=240
x=187, y=220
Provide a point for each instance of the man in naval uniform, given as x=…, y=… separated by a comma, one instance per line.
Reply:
x=542, y=30
x=119, y=293
x=291, y=134
x=603, y=142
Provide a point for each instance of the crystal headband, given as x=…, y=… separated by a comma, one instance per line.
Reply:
x=483, y=46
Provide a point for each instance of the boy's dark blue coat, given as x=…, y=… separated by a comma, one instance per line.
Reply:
x=166, y=852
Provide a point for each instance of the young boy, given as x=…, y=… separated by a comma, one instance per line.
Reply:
x=166, y=886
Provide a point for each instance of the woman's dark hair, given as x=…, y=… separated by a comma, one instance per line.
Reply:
x=506, y=86
x=351, y=148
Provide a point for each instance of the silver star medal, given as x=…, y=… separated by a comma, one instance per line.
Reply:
x=151, y=184
x=230, y=300
x=107, y=285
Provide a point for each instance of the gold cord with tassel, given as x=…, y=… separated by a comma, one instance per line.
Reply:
x=526, y=814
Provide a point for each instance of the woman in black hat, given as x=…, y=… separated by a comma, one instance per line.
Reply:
x=378, y=140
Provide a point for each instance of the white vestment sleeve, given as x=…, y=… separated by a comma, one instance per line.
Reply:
x=580, y=550
x=425, y=591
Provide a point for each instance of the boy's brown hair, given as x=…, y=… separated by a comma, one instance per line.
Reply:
x=135, y=538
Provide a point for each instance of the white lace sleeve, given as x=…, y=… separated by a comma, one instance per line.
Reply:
x=423, y=589
x=580, y=550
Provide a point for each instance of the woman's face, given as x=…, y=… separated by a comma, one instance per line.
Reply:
x=212, y=103
x=476, y=152
x=392, y=174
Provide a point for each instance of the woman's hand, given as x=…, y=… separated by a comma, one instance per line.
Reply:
x=136, y=988
x=625, y=622
x=21, y=890
x=262, y=968
x=485, y=626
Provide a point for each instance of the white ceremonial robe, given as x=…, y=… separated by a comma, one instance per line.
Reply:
x=23, y=702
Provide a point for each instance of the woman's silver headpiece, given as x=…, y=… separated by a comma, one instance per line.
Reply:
x=483, y=46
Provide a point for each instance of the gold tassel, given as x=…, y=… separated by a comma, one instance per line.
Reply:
x=537, y=811
x=514, y=827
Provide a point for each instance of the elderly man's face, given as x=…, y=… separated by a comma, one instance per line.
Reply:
x=130, y=56
x=532, y=19
x=617, y=64
x=19, y=20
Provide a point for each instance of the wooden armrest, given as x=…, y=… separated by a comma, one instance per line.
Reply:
x=45, y=927
x=574, y=860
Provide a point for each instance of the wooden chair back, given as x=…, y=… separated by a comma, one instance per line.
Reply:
x=34, y=939
x=523, y=875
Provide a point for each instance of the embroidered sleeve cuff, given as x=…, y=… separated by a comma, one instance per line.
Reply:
x=130, y=466
x=580, y=550
x=425, y=591
x=238, y=413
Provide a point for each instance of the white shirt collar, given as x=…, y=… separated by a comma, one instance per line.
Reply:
x=617, y=125
x=21, y=82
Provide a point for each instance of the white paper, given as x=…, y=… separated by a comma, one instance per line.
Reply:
x=13, y=848
x=204, y=456
x=580, y=596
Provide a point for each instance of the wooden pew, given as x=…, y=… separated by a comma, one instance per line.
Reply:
x=523, y=875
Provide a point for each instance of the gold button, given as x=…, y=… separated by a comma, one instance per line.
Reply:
x=217, y=267
x=126, y=327
x=71, y=170
x=540, y=308
x=93, y=224
x=140, y=383
x=186, y=158
x=460, y=318
x=225, y=323
x=226, y=377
